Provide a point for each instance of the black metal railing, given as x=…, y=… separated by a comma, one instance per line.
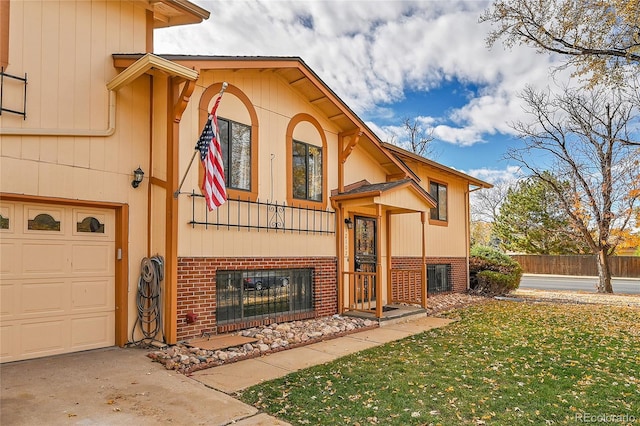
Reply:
x=21, y=81
x=269, y=216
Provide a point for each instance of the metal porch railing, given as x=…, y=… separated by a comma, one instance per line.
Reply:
x=261, y=216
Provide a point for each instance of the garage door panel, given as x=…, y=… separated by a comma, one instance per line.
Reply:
x=92, y=258
x=9, y=300
x=94, y=331
x=45, y=258
x=45, y=298
x=40, y=338
x=9, y=258
x=8, y=337
x=93, y=295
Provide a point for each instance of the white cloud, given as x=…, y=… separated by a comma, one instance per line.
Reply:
x=494, y=176
x=372, y=52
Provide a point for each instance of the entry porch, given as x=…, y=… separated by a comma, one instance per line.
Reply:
x=368, y=282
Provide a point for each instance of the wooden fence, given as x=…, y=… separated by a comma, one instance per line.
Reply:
x=578, y=265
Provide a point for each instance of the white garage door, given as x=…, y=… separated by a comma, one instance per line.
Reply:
x=57, y=279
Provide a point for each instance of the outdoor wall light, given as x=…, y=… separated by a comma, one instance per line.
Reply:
x=138, y=174
x=349, y=223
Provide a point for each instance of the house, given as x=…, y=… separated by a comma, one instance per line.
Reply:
x=100, y=196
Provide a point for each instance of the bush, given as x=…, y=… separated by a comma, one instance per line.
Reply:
x=493, y=273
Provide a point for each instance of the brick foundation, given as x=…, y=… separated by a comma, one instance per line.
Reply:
x=197, y=290
x=459, y=272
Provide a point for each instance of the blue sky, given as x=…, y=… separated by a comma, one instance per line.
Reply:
x=388, y=60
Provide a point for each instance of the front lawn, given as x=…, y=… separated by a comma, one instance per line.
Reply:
x=503, y=363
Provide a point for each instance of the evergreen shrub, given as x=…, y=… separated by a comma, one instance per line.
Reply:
x=493, y=273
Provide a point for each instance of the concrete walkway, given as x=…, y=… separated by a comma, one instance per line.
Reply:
x=231, y=378
x=118, y=386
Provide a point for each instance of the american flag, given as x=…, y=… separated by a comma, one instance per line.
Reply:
x=213, y=186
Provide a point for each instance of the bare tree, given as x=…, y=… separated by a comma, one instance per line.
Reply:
x=587, y=136
x=485, y=204
x=414, y=137
x=601, y=38
x=419, y=138
x=485, y=207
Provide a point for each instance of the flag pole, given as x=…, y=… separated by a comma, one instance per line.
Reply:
x=175, y=194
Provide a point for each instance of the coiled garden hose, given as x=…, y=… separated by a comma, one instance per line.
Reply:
x=149, y=302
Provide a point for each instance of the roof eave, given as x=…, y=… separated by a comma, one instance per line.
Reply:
x=171, y=13
x=402, y=152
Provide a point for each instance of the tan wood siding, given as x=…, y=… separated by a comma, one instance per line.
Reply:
x=275, y=104
x=447, y=240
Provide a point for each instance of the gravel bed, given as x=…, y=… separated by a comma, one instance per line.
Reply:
x=272, y=338
x=277, y=337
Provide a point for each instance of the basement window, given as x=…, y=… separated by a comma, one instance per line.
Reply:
x=246, y=295
x=439, y=278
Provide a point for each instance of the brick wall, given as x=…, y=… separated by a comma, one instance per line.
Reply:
x=459, y=272
x=197, y=290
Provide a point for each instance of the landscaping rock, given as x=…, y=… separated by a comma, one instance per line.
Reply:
x=281, y=336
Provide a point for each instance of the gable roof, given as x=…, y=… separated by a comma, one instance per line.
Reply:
x=297, y=74
x=365, y=193
x=404, y=155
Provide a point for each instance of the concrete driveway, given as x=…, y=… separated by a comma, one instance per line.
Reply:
x=113, y=386
x=118, y=386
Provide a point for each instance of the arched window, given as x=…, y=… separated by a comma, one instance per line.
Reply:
x=306, y=163
x=238, y=139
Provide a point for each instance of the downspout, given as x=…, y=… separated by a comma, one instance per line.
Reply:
x=424, y=294
x=143, y=65
x=468, y=230
x=389, y=258
x=109, y=131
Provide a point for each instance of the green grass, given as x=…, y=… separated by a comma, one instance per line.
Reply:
x=503, y=363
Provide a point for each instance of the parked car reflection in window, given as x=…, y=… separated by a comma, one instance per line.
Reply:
x=264, y=281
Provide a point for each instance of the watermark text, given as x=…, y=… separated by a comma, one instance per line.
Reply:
x=605, y=418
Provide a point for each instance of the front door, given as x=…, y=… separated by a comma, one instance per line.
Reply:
x=365, y=259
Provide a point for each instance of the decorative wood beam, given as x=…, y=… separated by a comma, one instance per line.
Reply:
x=183, y=100
x=355, y=138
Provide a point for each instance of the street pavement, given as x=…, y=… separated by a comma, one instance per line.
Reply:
x=572, y=283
